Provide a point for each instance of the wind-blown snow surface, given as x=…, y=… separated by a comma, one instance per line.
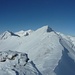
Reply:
x=53, y=53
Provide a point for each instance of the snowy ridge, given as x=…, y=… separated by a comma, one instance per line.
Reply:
x=69, y=39
x=7, y=34
x=24, y=33
x=52, y=53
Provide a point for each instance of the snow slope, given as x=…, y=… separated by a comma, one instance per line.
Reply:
x=50, y=51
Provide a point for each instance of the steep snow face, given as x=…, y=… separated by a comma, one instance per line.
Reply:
x=48, y=49
x=69, y=39
x=66, y=64
x=16, y=63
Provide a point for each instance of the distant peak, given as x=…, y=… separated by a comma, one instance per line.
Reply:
x=10, y=33
x=45, y=28
x=24, y=33
x=7, y=34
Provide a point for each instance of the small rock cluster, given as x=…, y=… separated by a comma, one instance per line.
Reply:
x=16, y=57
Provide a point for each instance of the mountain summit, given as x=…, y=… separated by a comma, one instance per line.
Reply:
x=45, y=29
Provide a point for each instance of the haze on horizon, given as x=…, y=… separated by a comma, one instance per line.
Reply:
x=18, y=15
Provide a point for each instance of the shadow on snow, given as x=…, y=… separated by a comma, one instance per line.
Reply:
x=66, y=65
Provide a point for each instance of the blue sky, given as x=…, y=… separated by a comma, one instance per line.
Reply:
x=18, y=15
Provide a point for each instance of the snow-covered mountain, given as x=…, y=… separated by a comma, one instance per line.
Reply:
x=52, y=53
x=16, y=63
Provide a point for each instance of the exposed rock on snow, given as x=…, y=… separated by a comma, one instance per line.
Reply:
x=16, y=63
